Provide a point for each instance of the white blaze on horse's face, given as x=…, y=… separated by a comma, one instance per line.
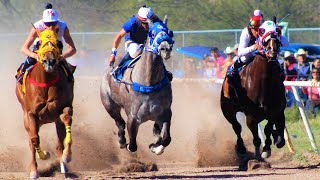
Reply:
x=164, y=50
x=49, y=61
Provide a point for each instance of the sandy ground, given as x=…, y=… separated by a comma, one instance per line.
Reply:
x=202, y=144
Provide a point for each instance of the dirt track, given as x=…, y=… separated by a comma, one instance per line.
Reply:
x=202, y=144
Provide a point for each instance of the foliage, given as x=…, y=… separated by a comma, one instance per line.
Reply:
x=109, y=15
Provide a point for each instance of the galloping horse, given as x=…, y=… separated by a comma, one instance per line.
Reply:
x=260, y=94
x=145, y=94
x=46, y=96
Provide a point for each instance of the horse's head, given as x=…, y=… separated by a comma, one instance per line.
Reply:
x=270, y=39
x=161, y=39
x=48, y=51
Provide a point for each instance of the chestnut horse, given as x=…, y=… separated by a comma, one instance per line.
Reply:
x=147, y=72
x=260, y=94
x=46, y=96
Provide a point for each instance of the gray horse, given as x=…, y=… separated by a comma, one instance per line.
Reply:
x=148, y=71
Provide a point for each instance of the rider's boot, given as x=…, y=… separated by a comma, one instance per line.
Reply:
x=125, y=58
x=233, y=74
x=282, y=73
x=69, y=69
x=23, y=67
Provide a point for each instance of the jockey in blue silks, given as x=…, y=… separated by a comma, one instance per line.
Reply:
x=135, y=31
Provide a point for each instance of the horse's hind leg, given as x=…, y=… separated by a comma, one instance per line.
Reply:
x=114, y=111
x=162, y=125
x=64, y=138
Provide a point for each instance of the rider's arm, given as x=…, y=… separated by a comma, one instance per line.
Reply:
x=71, y=49
x=26, y=45
x=243, y=44
x=118, y=38
x=115, y=44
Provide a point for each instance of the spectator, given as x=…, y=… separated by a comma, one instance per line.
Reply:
x=303, y=65
x=209, y=66
x=314, y=92
x=219, y=61
x=303, y=73
x=235, y=50
x=229, y=60
x=316, y=63
x=290, y=68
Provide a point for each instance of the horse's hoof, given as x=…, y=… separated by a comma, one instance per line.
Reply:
x=122, y=146
x=63, y=168
x=280, y=142
x=45, y=156
x=266, y=154
x=131, y=150
x=158, y=150
x=34, y=174
x=66, y=158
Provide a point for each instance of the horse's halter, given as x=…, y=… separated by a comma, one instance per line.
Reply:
x=270, y=42
x=48, y=51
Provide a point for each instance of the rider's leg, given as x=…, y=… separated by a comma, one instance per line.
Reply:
x=27, y=63
x=69, y=68
x=233, y=71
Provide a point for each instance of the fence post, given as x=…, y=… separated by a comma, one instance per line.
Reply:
x=304, y=118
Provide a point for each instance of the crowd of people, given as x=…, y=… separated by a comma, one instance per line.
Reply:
x=297, y=68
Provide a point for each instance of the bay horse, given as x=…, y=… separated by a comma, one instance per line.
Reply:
x=46, y=96
x=145, y=94
x=260, y=94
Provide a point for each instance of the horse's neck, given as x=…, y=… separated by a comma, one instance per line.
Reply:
x=149, y=70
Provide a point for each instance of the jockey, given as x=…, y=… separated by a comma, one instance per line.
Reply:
x=249, y=44
x=135, y=31
x=49, y=21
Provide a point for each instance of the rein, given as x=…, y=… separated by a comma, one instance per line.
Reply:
x=46, y=84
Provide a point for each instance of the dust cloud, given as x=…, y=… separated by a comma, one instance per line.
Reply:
x=200, y=134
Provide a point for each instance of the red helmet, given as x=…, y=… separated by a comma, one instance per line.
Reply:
x=255, y=22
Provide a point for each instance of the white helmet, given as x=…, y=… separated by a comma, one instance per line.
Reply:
x=49, y=15
x=145, y=13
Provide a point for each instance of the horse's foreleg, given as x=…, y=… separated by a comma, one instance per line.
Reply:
x=266, y=152
x=280, y=126
x=253, y=126
x=64, y=135
x=132, y=126
x=163, y=142
x=32, y=128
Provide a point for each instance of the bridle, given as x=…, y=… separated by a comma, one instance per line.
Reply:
x=270, y=44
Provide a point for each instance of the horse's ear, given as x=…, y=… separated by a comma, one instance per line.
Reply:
x=165, y=20
x=274, y=19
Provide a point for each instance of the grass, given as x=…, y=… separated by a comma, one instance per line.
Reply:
x=304, y=152
x=299, y=136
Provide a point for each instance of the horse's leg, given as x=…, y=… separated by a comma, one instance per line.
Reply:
x=64, y=138
x=253, y=126
x=280, y=126
x=132, y=127
x=163, y=142
x=157, y=132
x=114, y=111
x=266, y=152
x=32, y=128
